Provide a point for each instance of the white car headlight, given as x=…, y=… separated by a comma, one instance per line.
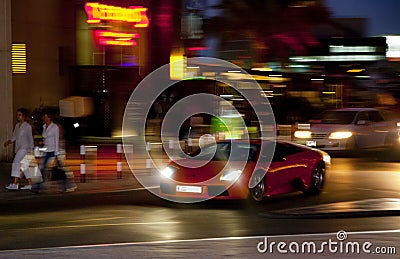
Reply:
x=340, y=135
x=231, y=175
x=302, y=134
x=326, y=158
x=168, y=171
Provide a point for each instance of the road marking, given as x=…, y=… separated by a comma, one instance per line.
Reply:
x=205, y=240
x=97, y=219
x=384, y=204
x=30, y=195
x=376, y=190
x=100, y=225
x=365, y=171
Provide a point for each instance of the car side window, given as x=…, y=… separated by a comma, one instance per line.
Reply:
x=362, y=116
x=375, y=116
x=283, y=149
x=279, y=153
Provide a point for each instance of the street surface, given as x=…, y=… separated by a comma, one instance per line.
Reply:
x=107, y=216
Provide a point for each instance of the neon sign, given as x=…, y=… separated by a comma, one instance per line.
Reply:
x=97, y=12
x=117, y=38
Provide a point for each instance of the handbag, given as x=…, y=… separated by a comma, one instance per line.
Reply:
x=58, y=173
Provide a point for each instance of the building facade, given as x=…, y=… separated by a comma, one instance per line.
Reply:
x=53, y=49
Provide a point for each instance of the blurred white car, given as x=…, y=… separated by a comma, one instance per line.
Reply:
x=349, y=129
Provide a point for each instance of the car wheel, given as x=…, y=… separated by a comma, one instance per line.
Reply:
x=317, y=180
x=257, y=192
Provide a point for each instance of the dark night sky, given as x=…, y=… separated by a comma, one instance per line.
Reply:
x=383, y=15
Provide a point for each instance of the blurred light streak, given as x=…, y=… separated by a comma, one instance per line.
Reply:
x=114, y=34
x=393, y=51
x=356, y=70
x=338, y=58
x=177, y=65
x=351, y=49
x=197, y=48
x=262, y=69
x=117, y=42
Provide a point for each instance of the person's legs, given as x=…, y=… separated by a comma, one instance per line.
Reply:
x=43, y=167
x=28, y=177
x=46, y=159
x=63, y=185
x=16, y=169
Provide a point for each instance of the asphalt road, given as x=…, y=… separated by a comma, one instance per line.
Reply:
x=361, y=197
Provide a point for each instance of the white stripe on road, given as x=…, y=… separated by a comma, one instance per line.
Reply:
x=101, y=225
x=203, y=240
x=97, y=219
x=376, y=190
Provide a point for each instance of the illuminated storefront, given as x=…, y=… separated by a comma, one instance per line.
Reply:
x=94, y=48
x=111, y=35
x=113, y=47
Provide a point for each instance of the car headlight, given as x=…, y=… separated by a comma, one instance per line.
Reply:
x=302, y=134
x=326, y=158
x=340, y=135
x=168, y=171
x=231, y=175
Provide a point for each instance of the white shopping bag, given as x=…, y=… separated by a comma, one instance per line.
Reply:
x=36, y=175
x=30, y=168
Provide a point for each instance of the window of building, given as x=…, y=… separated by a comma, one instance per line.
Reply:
x=18, y=56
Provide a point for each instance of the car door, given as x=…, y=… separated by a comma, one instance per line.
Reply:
x=285, y=167
x=363, y=130
x=379, y=127
x=370, y=129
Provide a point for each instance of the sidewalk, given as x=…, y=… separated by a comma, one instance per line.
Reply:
x=103, y=182
x=106, y=170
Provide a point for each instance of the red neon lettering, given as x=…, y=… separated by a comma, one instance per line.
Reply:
x=144, y=20
x=92, y=11
x=116, y=38
x=134, y=14
x=117, y=42
x=114, y=34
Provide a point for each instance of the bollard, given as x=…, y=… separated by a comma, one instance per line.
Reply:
x=190, y=145
x=148, y=163
x=148, y=149
x=82, y=171
x=171, y=147
x=148, y=146
x=119, y=162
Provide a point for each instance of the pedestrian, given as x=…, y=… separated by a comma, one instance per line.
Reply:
x=60, y=171
x=51, y=140
x=53, y=155
x=23, y=139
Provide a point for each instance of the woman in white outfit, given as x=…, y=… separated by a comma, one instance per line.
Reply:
x=51, y=138
x=52, y=146
x=22, y=136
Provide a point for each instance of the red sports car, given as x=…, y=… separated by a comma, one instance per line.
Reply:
x=245, y=169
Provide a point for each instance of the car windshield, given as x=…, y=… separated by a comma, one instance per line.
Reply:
x=229, y=151
x=336, y=117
